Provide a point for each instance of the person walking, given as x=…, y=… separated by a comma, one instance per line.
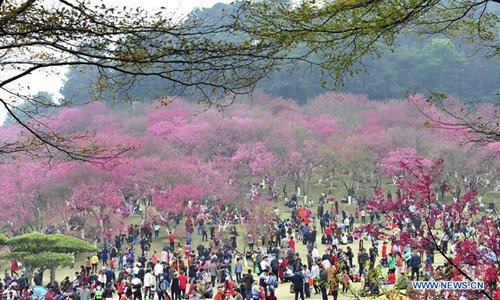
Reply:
x=175, y=289
x=238, y=268
x=94, y=260
x=148, y=282
x=212, y=269
x=391, y=262
x=183, y=281
x=315, y=277
x=362, y=259
x=298, y=285
x=248, y=281
x=415, y=262
x=307, y=277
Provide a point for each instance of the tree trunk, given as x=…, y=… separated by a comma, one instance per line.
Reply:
x=297, y=186
x=52, y=274
x=307, y=183
x=346, y=186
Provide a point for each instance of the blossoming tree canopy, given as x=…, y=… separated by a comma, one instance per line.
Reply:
x=183, y=156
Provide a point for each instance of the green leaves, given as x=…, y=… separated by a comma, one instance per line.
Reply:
x=41, y=260
x=37, y=243
x=39, y=250
x=341, y=33
x=3, y=239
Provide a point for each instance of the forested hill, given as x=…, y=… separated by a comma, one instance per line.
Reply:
x=436, y=64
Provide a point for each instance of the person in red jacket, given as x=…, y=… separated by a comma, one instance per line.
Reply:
x=50, y=294
x=291, y=243
x=328, y=231
x=220, y=293
x=14, y=267
x=183, y=280
x=391, y=278
x=384, y=250
x=229, y=285
x=171, y=239
x=120, y=288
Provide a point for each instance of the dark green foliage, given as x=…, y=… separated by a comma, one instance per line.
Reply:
x=410, y=65
x=3, y=240
x=44, y=260
x=38, y=243
x=39, y=250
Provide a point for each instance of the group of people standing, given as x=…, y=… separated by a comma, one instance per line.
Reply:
x=130, y=267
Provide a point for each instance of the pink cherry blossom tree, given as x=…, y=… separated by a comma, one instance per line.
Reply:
x=426, y=222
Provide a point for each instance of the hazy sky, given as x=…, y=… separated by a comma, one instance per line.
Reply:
x=178, y=7
x=52, y=84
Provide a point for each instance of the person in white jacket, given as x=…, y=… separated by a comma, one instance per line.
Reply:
x=315, y=275
x=158, y=270
x=148, y=282
x=306, y=274
x=101, y=278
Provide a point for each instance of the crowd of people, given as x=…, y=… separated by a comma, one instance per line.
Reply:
x=129, y=268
